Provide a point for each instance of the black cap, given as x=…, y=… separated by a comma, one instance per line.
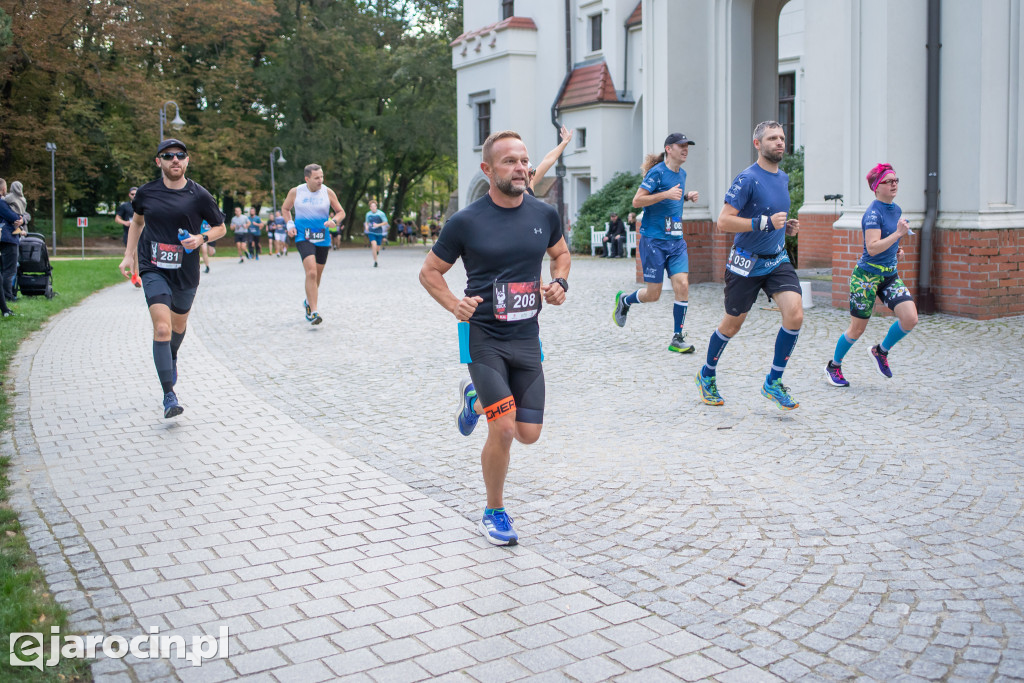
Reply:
x=171, y=142
x=678, y=138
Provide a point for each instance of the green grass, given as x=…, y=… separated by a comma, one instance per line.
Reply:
x=25, y=602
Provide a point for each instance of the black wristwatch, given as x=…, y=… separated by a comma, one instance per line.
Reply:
x=206, y=238
x=561, y=281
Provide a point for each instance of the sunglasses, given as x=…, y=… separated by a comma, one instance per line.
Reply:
x=891, y=181
x=167, y=156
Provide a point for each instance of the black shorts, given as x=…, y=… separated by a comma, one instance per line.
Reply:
x=160, y=290
x=508, y=376
x=306, y=248
x=241, y=238
x=741, y=292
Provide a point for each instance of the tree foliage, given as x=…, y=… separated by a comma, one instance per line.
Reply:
x=362, y=87
x=616, y=196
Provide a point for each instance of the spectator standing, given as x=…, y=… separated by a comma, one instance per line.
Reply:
x=10, y=224
x=15, y=199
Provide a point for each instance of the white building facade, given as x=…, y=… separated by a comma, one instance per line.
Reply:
x=711, y=69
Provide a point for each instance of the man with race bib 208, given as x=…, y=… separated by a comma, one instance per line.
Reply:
x=168, y=263
x=502, y=239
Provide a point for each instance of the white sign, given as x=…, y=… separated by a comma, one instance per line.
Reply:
x=83, y=222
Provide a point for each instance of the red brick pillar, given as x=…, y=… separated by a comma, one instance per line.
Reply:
x=815, y=239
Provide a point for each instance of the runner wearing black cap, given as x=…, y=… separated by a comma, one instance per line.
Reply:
x=662, y=247
x=167, y=264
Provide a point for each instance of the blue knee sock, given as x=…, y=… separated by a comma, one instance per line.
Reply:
x=894, y=334
x=679, y=313
x=715, y=348
x=842, y=347
x=785, y=342
x=632, y=299
x=164, y=364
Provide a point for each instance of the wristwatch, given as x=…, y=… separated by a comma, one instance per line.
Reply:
x=206, y=238
x=561, y=281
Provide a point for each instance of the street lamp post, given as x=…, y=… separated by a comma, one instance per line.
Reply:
x=176, y=123
x=273, y=187
x=52, y=149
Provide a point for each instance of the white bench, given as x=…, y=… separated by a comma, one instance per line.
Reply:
x=597, y=240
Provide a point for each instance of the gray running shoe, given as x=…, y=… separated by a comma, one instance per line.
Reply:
x=679, y=345
x=621, y=309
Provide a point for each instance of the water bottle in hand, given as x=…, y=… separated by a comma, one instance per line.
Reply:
x=183, y=235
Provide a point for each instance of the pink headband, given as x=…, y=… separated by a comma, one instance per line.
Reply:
x=881, y=170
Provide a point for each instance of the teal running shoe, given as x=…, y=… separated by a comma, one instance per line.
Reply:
x=708, y=389
x=779, y=395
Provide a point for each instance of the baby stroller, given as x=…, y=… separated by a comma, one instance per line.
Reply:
x=35, y=274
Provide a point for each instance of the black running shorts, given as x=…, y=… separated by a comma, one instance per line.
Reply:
x=306, y=248
x=160, y=290
x=741, y=292
x=508, y=376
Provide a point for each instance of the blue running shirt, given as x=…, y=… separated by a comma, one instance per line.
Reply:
x=659, y=179
x=312, y=209
x=756, y=192
x=884, y=217
x=376, y=219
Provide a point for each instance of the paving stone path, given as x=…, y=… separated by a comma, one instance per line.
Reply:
x=316, y=499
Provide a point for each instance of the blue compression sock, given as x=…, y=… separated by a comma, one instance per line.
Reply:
x=842, y=347
x=679, y=314
x=715, y=348
x=632, y=299
x=894, y=334
x=785, y=342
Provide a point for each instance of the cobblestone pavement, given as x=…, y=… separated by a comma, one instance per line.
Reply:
x=316, y=498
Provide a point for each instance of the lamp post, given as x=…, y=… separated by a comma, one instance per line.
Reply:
x=52, y=149
x=273, y=187
x=176, y=123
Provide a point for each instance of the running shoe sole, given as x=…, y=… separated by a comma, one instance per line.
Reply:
x=682, y=349
x=316, y=319
x=704, y=395
x=491, y=539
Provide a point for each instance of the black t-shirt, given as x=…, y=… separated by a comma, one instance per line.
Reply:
x=499, y=245
x=165, y=211
x=126, y=212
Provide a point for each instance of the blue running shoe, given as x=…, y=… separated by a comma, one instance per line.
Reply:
x=309, y=311
x=881, y=359
x=779, y=395
x=171, y=407
x=466, y=417
x=497, y=528
x=708, y=389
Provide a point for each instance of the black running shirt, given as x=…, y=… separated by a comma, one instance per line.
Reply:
x=166, y=210
x=499, y=245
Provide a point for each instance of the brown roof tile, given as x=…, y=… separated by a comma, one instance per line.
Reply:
x=635, y=17
x=511, y=22
x=587, y=85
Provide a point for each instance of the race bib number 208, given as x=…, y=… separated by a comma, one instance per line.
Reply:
x=516, y=300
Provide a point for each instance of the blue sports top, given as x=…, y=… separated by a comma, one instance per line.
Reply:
x=659, y=179
x=376, y=219
x=312, y=209
x=884, y=217
x=254, y=225
x=756, y=192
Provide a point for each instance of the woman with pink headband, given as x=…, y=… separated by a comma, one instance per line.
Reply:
x=876, y=276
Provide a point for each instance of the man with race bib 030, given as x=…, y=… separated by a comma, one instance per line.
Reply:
x=163, y=247
x=502, y=239
x=756, y=209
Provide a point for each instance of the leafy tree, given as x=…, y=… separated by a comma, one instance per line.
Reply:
x=616, y=196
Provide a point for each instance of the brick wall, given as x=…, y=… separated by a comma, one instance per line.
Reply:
x=976, y=273
x=707, y=248
x=815, y=239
